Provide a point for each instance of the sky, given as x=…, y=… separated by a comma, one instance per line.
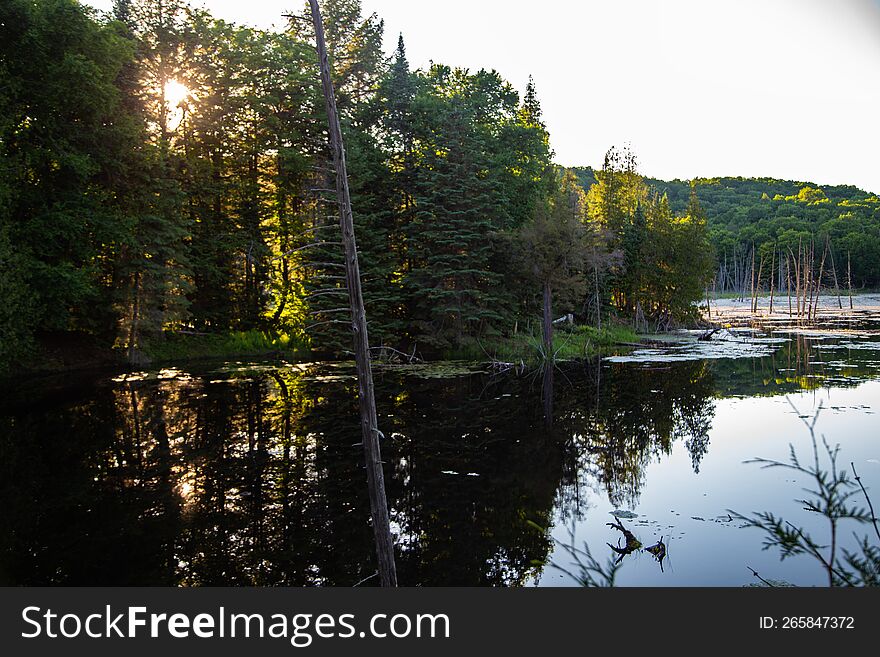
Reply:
x=781, y=88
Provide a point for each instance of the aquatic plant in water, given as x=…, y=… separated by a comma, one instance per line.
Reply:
x=588, y=571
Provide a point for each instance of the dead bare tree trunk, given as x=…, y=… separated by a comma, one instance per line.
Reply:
x=802, y=282
x=849, y=277
x=811, y=273
x=752, y=277
x=788, y=280
x=797, y=278
x=756, y=289
x=773, y=275
x=366, y=393
x=548, y=322
x=834, y=272
x=819, y=285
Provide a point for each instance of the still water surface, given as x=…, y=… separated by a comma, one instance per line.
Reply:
x=250, y=473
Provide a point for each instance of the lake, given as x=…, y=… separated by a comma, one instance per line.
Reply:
x=243, y=473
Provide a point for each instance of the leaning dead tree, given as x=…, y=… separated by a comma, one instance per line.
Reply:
x=366, y=393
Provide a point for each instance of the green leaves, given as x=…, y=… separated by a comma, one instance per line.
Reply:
x=65, y=140
x=136, y=213
x=831, y=496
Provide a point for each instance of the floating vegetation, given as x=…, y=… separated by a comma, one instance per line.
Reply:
x=257, y=368
x=861, y=346
x=331, y=377
x=691, y=348
x=166, y=374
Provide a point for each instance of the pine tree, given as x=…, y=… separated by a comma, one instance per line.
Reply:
x=530, y=112
x=354, y=45
x=452, y=286
x=523, y=160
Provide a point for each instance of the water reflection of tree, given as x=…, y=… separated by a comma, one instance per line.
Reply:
x=801, y=363
x=79, y=502
x=636, y=416
x=473, y=466
x=258, y=479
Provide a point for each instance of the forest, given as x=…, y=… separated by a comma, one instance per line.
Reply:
x=165, y=180
x=770, y=215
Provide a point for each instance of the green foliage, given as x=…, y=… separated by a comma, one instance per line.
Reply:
x=237, y=343
x=678, y=263
x=165, y=171
x=555, y=247
x=451, y=284
x=833, y=495
x=527, y=347
x=665, y=261
x=66, y=145
x=453, y=166
x=769, y=213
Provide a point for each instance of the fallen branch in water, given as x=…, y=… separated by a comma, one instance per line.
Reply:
x=410, y=358
x=705, y=337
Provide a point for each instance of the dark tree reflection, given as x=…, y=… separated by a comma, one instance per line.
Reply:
x=256, y=477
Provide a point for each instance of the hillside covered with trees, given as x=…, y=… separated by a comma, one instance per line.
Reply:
x=779, y=215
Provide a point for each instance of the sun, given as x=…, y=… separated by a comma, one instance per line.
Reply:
x=175, y=93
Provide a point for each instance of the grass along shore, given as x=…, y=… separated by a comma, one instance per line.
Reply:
x=568, y=344
x=69, y=351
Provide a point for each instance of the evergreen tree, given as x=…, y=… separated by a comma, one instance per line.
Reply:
x=358, y=64
x=397, y=95
x=695, y=258
x=451, y=285
x=524, y=160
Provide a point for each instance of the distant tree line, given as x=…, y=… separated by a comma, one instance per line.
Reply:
x=772, y=220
